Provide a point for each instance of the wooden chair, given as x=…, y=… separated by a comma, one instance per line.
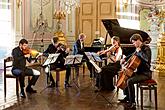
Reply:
x=147, y=85
x=8, y=74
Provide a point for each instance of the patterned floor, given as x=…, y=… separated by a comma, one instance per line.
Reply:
x=72, y=98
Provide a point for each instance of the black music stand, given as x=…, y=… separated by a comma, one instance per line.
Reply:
x=74, y=61
x=92, y=56
x=51, y=59
x=99, y=88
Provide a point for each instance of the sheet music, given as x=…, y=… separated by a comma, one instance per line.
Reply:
x=89, y=55
x=51, y=59
x=69, y=59
x=73, y=59
x=96, y=66
x=96, y=57
x=93, y=56
x=78, y=59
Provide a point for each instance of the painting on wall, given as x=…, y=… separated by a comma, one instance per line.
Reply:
x=41, y=15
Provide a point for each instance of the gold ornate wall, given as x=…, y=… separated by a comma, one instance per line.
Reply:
x=160, y=62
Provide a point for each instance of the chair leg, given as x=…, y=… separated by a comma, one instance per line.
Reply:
x=141, y=91
x=156, y=103
x=137, y=93
x=4, y=86
x=57, y=76
x=17, y=87
x=150, y=93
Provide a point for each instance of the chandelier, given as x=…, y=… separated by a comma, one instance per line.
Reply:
x=70, y=4
x=59, y=15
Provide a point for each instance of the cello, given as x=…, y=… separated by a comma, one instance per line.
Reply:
x=130, y=66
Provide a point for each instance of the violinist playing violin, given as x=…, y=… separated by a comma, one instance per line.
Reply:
x=56, y=47
x=114, y=54
x=143, y=72
x=20, y=70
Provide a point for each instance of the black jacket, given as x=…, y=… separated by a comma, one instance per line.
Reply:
x=77, y=48
x=52, y=50
x=19, y=59
x=145, y=56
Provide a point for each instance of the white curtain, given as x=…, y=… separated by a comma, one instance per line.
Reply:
x=6, y=32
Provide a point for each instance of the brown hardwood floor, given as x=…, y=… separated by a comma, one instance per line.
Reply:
x=73, y=98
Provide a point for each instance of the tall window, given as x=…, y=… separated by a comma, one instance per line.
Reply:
x=5, y=29
x=128, y=13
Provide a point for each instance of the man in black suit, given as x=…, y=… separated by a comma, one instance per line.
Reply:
x=78, y=48
x=143, y=72
x=20, y=69
x=56, y=47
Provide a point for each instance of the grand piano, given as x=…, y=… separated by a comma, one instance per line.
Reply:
x=113, y=28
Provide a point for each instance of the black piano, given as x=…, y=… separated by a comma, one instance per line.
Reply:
x=113, y=28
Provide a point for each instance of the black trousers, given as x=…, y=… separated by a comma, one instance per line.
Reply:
x=105, y=77
x=129, y=91
x=89, y=65
x=21, y=73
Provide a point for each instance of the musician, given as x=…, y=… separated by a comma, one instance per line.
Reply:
x=114, y=54
x=56, y=47
x=143, y=71
x=78, y=48
x=20, y=70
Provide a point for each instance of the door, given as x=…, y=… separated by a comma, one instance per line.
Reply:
x=89, y=17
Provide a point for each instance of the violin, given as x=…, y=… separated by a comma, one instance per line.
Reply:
x=26, y=51
x=33, y=53
x=60, y=47
x=111, y=49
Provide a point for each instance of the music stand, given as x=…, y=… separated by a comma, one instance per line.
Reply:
x=51, y=59
x=92, y=58
x=73, y=61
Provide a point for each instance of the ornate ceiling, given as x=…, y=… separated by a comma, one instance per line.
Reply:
x=151, y=2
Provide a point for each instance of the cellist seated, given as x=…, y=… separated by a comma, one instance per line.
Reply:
x=143, y=72
x=104, y=79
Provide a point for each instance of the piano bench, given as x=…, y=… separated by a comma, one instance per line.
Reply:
x=147, y=85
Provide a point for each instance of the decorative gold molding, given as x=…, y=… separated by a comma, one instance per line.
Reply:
x=150, y=2
x=90, y=24
x=84, y=7
x=19, y=3
x=103, y=12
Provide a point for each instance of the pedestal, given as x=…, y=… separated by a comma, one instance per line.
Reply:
x=160, y=62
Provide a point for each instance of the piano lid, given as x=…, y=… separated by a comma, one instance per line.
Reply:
x=113, y=28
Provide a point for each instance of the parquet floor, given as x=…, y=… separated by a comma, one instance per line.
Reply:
x=82, y=98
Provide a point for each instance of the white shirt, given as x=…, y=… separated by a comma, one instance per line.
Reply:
x=116, y=57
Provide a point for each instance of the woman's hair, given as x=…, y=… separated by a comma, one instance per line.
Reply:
x=23, y=41
x=55, y=39
x=116, y=38
x=136, y=37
